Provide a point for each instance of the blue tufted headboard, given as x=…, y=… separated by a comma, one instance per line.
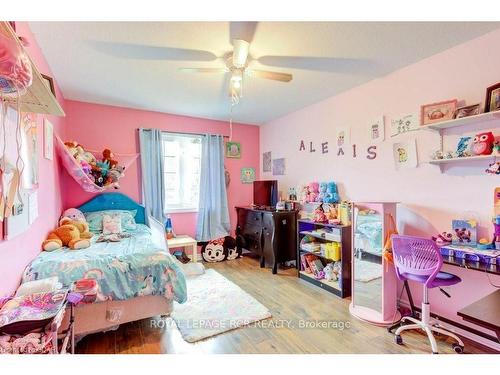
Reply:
x=114, y=201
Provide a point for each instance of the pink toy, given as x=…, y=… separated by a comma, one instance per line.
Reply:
x=73, y=214
x=313, y=194
x=15, y=67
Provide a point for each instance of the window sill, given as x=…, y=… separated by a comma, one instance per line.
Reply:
x=181, y=211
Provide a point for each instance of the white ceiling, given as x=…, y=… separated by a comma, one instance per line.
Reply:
x=101, y=62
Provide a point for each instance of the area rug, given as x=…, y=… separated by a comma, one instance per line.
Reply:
x=215, y=305
x=367, y=271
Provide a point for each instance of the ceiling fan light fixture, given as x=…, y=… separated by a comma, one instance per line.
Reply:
x=240, y=53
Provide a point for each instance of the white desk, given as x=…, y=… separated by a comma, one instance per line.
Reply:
x=187, y=243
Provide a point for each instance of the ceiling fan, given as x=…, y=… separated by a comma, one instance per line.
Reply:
x=237, y=64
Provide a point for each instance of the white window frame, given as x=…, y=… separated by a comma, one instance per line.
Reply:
x=180, y=209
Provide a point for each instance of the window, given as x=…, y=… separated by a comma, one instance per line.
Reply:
x=182, y=159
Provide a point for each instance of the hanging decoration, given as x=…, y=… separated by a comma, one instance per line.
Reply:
x=94, y=171
x=15, y=77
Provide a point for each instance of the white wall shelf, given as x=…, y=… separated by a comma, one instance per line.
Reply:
x=38, y=98
x=463, y=159
x=476, y=119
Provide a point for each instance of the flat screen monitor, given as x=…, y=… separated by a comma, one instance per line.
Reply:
x=265, y=193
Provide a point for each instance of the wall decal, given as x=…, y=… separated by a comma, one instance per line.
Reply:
x=325, y=149
x=376, y=130
x=405, y=154
x=403, y=124
x=279, y=167
x=266, y=161
x=247, y=175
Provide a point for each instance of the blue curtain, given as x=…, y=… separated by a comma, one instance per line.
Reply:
x=153, y=190
x=213, y=213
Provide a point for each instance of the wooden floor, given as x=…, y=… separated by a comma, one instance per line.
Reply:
x=288, y=298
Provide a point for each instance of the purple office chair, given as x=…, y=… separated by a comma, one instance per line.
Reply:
x=419, y=259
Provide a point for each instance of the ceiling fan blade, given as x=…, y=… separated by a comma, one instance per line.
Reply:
x=242, y=31
x=240, y=53
x=276, y=76
x=145, y=52
x=204, y=70
x=321, y=64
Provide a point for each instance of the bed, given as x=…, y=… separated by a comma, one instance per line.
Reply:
x=137, y=277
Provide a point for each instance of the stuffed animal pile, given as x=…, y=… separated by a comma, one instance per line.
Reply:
x=104, y=173
x=325, y=192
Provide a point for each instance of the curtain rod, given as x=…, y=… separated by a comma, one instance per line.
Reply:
x=172, y=132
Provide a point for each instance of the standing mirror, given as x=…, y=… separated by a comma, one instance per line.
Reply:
x=374, y=282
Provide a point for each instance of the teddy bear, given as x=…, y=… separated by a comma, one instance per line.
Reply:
x=331, y=195
x=71, y=233
x=322, y=192
x=107, y=156
x=313, y=193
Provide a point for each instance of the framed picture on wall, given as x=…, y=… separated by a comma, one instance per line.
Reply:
x=492, y=102
x=247, y=175
x=48, y=140
x=437, y=112
x=266, y=162
x=233, y=150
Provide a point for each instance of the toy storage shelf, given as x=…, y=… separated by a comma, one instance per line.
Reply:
x=342, y=287
x=463, y=159
x=38, y=98
x=464, y=121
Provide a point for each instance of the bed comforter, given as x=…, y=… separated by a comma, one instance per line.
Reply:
x=133, y=267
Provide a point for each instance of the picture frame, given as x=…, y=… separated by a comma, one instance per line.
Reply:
x=469, y=110
x=233, y=150
x=492, y=101
x=438, y=112
x=49, y=82
x=247, y=175
x=267, y=162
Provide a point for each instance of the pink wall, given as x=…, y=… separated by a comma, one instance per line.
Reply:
x=429, y=199
x=100, y=126
x=15, y=254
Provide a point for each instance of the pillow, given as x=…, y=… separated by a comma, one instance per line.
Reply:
x=38, y=286
x=94, y=219
x=111, y=224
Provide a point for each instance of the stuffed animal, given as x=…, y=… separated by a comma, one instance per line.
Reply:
x=292, y=193
x=233, y=251
x=331, y=195
x=107, y=156
x=313, y=192
x=103, y=166
x=330, y=275
x=97, y=177
x=303, y=193
x=214, y=251
x=71, y=233
x=483, y=143
x=72, y=214
x=322, y=192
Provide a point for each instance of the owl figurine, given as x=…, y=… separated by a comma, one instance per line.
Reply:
x=483, y=143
